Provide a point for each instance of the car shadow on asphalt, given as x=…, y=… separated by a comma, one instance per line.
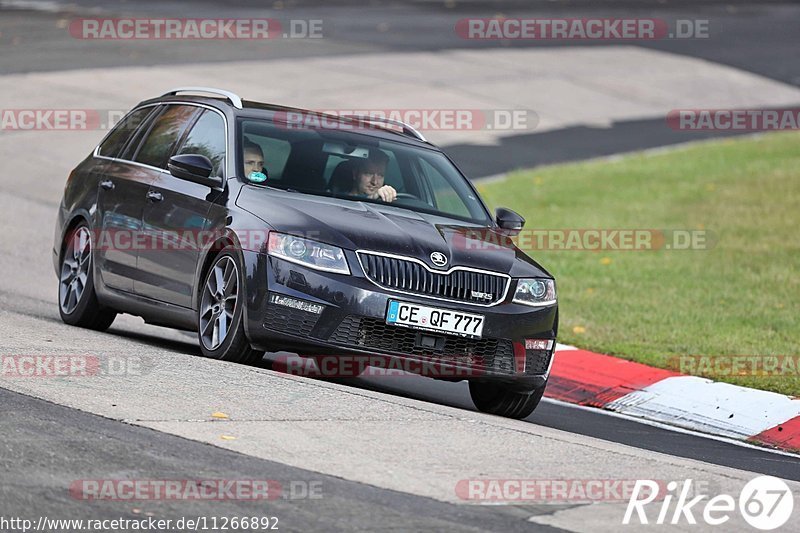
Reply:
x=397, y=383
x=187, y=347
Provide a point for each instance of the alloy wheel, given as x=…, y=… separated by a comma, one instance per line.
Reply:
x=218, y=304
x=75, y=270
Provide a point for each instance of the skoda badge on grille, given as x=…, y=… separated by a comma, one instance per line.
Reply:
x=439, y=259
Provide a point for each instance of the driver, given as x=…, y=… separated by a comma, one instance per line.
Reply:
x=368, y=178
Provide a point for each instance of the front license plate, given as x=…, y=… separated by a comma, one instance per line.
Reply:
x=433, y=319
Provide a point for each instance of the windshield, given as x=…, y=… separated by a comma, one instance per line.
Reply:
x=353, y=166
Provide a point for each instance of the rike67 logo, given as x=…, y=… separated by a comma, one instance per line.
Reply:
x=765, y=503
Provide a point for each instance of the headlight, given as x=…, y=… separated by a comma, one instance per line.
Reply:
x=536, y=292
x=309, y=253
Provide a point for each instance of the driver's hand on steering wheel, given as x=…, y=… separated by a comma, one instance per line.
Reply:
x=387, y=193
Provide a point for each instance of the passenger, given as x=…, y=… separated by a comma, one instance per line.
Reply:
x=368, y=178
x=254, y=162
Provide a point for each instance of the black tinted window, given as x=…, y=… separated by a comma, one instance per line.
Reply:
x=207, y=138
x=349, y=165
x=164, y=134
x=113, y=144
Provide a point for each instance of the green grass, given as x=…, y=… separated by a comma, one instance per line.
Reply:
x=740, y=297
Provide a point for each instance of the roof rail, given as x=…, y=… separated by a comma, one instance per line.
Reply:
x=407, y=129
x=233, y=97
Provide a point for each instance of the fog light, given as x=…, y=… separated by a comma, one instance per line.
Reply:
x=538, y=344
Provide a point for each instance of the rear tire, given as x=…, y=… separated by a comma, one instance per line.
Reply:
x=220, y=316
x=77, y=299
x=494, y=399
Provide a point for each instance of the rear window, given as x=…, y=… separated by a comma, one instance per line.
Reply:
x=113, y=144
x=162, y=137
x=207, y=138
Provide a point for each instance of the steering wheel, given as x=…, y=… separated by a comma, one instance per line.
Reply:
x=406, y=195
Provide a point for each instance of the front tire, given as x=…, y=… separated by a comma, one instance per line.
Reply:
x=77, y=299
x=220, y=315
x=494, y=398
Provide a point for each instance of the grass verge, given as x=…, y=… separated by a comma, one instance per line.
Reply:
x=739, y=297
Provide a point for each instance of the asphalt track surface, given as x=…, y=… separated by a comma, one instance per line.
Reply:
x=758, y=37
x=46, y=446
x=86, y=445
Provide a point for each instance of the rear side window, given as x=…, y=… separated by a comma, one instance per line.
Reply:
x=207, y=138
x=276, y=154
x=162, y=137
x=116, y=140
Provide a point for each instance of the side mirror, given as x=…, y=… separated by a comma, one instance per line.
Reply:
x=508, y=219
x=195, y=168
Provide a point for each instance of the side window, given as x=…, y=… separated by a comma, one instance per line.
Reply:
x=115, y=141
x=447, y=198
x=164, y=134
x=276, y=154
x=207, y=138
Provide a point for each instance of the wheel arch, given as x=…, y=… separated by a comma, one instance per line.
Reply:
x=76, y=219
x=245, y=260
x=210, y=253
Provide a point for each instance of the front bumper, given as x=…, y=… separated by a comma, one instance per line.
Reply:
x=352, y=321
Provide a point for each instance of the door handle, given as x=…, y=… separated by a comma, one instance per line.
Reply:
x=154, y=196
x=107, y=185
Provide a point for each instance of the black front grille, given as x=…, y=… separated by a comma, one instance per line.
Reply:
x=412, y=277
x=489, y=354
x=289, y=320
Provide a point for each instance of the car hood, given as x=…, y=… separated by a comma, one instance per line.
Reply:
x=383, y=228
